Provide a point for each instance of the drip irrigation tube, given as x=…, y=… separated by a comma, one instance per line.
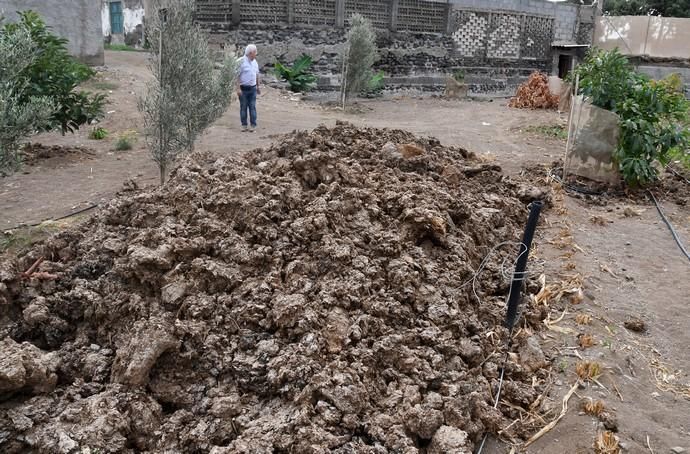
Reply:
x=35, y=224
x=573, y=188
x=669, y=225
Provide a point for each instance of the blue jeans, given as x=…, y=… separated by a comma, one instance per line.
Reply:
x=248, y=101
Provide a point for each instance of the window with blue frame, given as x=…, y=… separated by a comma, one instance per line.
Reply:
x=116, y=19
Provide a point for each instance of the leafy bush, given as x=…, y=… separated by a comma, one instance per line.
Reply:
x=56, y=74
x=20, y=114
x=98, y=133
x=375, y=85
x=653, y=114
x=298, y=76
x=459, y=76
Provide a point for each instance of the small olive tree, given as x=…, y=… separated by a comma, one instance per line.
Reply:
x=358, y=57
x=187, y=93
x=20, y=116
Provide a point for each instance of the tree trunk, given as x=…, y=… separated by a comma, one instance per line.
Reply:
x=343, y=84
x=163, y=169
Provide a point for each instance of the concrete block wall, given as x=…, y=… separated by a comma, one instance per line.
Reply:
x=77, y=20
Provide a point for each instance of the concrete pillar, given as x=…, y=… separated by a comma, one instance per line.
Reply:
x=340, y=13
x=395, y=9
x=291, y=12
x=236, y=12
x=449, y=19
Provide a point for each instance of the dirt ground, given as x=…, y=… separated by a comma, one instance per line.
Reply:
x=622, y=251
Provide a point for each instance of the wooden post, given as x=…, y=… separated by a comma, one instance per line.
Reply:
x=236, y=12
x=340, y=13
x=395, y=9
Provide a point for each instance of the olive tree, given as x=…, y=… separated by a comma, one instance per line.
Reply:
x=358, y=57
x=20, y=116
x=187, y=93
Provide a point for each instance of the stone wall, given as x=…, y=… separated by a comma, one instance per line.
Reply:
x=496, y=43
x=77, y=20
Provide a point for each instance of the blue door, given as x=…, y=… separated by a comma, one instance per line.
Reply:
x=116, y=22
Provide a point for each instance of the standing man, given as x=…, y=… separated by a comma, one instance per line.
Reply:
x=248, y=87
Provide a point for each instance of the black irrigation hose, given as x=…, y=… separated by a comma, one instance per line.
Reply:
x=669, y=225
x=36, y=224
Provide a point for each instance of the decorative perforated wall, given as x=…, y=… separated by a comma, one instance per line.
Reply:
x=377, y=11
x=502, y=35
x=265, y=11
x=422, y=16
x=315, y=12
x=218, y=11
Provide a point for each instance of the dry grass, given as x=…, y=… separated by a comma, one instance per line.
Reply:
x=586, y=340
x=593, y=407
x=588, y=370
x=606, y=443
x=598, y=220
x=583, y=319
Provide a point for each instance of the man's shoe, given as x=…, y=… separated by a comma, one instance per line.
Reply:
x=244, y=129
x=253, y=129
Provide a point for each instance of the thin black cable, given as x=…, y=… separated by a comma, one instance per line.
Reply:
x=676, y=173
x=669, y=225
x=36, y=224
x=573, y=188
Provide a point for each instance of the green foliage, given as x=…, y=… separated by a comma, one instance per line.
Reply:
x=56, y=74
x=98, y=133
x=605, y=78
x=121, y=47
x=667, y=8
x=21, y=114
x=654, y=115
x=187, y=93
x=375, y=85
x=125, y=141
x=358, y=57
x=298, y=76
x=559, y=132
x=459, y=75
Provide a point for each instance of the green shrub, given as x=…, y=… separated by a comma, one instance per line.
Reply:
x=654, y=115
x=299, y=77
x=56, y=74
x=98, y=133
x=459, y=76
x=375, y=85
x=125, y=141
x=358, y=57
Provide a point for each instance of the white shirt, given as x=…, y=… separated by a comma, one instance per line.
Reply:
x=248, y=71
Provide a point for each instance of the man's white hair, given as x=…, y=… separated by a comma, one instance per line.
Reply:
x=250, y=48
